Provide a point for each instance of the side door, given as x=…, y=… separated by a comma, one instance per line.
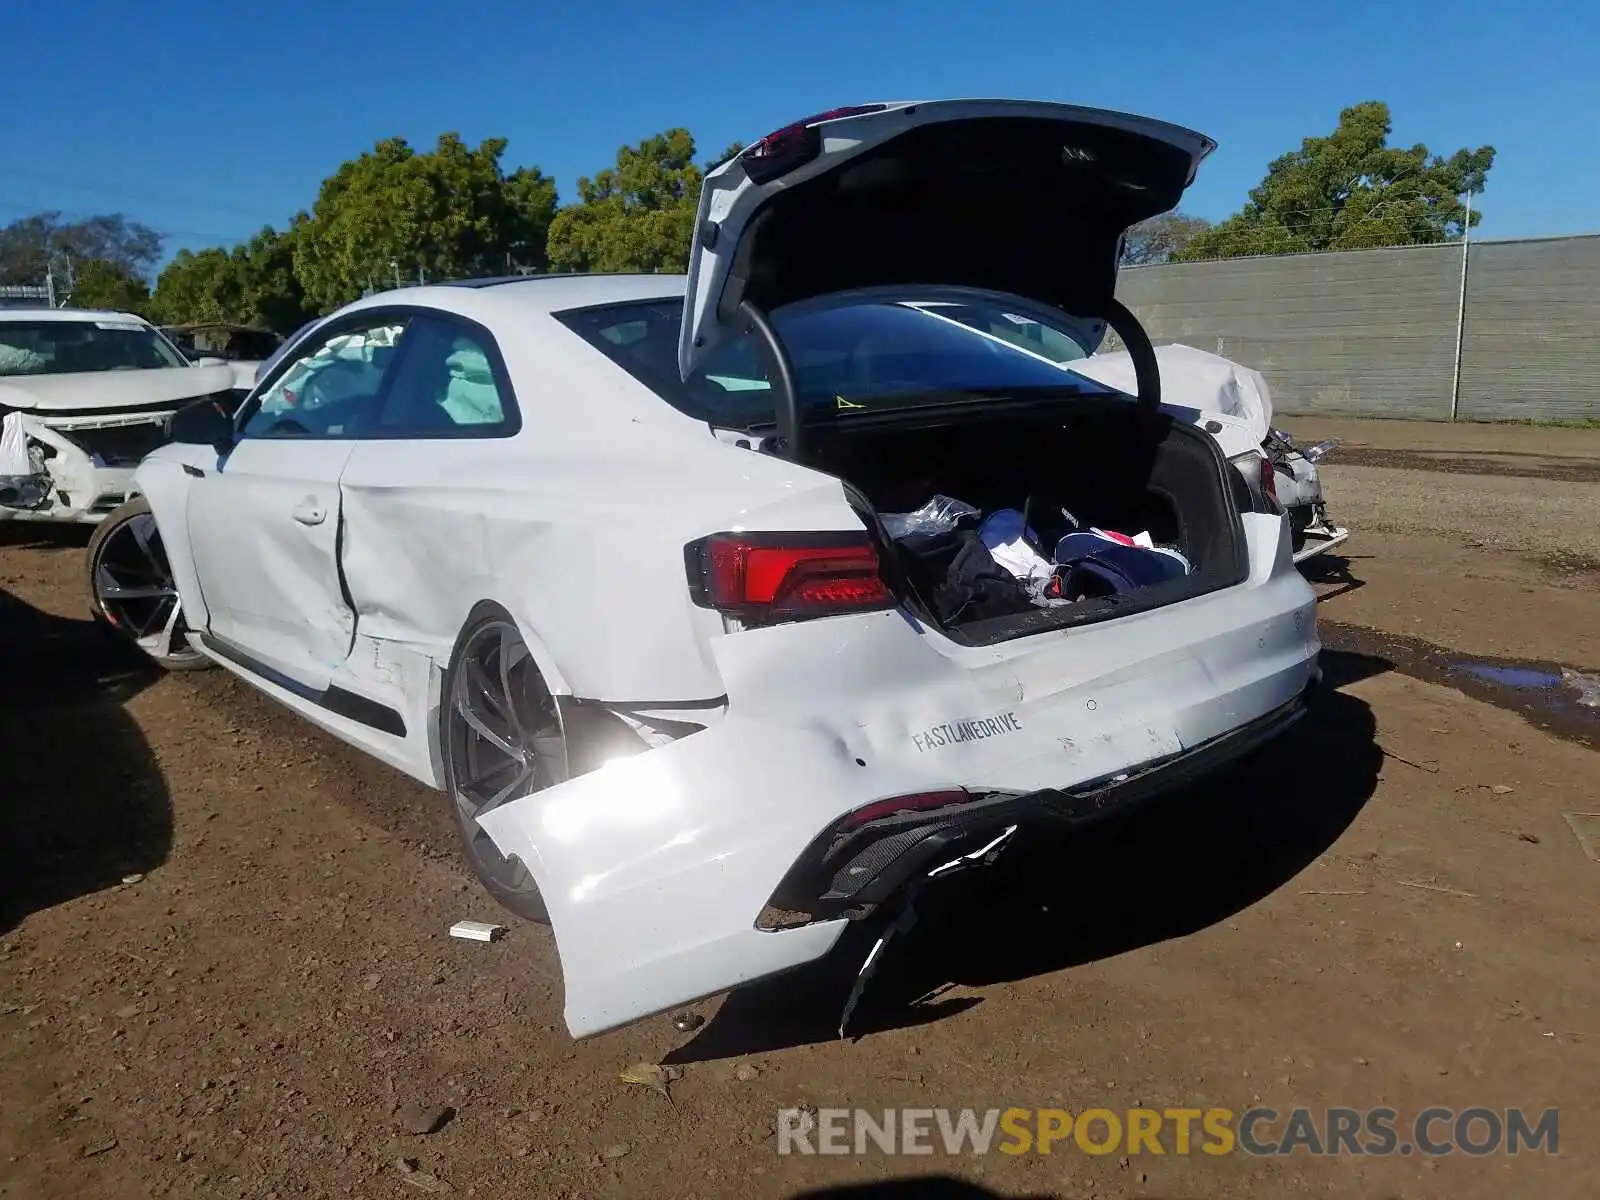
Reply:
x=416, y=527
x=265, y=526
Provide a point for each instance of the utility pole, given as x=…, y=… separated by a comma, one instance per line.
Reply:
x=394, y=264
x=50, y=285
x=1461, y=311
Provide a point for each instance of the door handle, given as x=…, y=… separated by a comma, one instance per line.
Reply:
x=309, y=512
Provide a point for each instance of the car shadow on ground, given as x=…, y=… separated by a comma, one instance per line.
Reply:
x=82, y=802
x=1331, y=575
x=931, y=1187
x=1174, y=866
x=31, y=535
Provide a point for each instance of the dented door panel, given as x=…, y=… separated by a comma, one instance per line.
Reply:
x=264, y=532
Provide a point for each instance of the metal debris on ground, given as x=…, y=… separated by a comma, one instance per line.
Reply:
x=1586, y=828
x=425, y=1182
x=686, y=1021
x=1587, y=686
x=1431, y=768
x=1501, y=789
x=1436, y=887
x=133, y=878
x=653, y=1076
x=476, y=931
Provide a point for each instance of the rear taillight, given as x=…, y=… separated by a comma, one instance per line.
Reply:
x=1261, y=482
x=1269, y=482
x=795, y=145
x=760, y=578
x=916, y=802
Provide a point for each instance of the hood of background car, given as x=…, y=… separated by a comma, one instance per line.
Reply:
x=1019, y=197
x=1208, y=386
x=97, y=391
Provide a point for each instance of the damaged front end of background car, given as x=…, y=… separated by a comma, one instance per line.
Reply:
x=1311, y=530
x=73, y=461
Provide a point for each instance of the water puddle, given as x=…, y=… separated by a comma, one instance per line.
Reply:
x=1517, y=677
x=1567, y=687
x=1552, y=696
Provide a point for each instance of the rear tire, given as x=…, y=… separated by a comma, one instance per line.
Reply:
x=131, y=590
x=500, y=738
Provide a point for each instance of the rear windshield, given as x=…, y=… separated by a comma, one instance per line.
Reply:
x=851, y=357
x=69, y=347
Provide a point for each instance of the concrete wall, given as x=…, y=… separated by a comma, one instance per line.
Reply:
x=1373, y=332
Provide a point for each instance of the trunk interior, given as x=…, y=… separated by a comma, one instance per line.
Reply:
x=1105, y=463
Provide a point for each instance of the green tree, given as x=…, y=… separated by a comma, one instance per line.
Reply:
x=637, y=215
x=199, y=286
x=34, y=244
x=104, y=285
x=1160, y=238
x=270, y=291
x=1350, y=190
x=451, y=212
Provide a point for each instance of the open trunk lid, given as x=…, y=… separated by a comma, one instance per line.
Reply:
x=1020, y=197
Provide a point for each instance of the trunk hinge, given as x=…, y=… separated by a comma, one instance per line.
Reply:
x=1146, y=368
x=786, y=400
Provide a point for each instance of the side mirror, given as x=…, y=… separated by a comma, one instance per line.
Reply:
x=210, y=360
x=202, y=423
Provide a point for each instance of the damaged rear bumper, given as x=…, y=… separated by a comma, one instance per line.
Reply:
x=679, y=873
x=846, y=872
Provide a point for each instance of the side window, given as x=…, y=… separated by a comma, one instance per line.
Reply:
x=331, y=388
x=446, y=385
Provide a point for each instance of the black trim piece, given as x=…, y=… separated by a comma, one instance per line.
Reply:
x=630, y=706
x=359, y=708
x=337, y=700
x=845, y=871
x=195, y=471
x=497, y=280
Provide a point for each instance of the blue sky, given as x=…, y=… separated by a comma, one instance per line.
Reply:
x=207, y=121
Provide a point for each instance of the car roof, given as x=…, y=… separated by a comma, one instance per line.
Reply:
x=523, y=294
x=68, y=314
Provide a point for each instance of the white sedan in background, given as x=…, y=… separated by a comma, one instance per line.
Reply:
x=84, y=396
x=624, y=566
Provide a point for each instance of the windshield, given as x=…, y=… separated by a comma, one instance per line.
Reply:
x=72, y=347
x=235, y=345
x=856, y=356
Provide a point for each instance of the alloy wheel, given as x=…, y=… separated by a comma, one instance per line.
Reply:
x=506, y=740
x=135, y=593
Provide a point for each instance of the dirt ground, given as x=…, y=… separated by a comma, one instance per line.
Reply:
x=224, y=967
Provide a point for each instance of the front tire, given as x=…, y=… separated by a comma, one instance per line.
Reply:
x=131, y=588
x=501, y=737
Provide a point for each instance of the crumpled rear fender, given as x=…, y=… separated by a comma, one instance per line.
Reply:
x=655, y=867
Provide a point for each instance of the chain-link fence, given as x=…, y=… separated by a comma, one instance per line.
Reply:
x=1480, y=331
